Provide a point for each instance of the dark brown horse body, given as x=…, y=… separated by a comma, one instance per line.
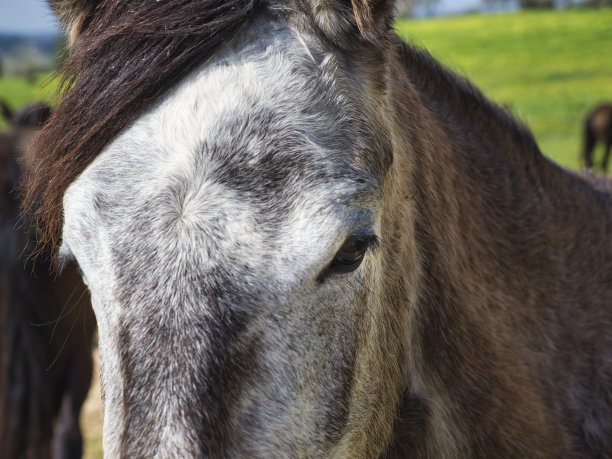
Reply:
x=514, y=323
x=233, y=325
x=598, y=129
x=46, y=328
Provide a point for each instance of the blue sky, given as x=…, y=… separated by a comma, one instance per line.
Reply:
x=26, y=16
x=34, y=16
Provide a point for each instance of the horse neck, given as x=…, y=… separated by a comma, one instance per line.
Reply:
x=489, y=202
x=499, y=230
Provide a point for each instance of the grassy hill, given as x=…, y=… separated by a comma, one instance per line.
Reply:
x=549, y=67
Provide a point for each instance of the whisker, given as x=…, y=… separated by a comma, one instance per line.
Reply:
x=61, y=316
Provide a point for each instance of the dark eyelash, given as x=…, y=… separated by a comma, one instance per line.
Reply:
x=355, y=244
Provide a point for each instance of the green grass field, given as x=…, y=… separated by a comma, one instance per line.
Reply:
x=549, y=67
x=18, y=91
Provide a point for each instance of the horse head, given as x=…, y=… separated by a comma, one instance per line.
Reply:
x=237, y=235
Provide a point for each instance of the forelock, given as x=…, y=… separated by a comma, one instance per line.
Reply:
x=129, y=55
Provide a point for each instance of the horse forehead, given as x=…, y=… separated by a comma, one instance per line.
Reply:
x=254, y=110
x=236, y=142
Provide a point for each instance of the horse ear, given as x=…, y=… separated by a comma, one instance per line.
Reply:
x=6, y=111
x=74, y=15
x=373, y=18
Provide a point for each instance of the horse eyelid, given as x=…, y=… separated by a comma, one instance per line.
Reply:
x=371, y=242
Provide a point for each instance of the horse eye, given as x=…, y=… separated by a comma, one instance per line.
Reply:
x=350, y=255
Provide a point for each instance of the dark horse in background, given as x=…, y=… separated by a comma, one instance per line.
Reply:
x=598, y=129
x=32, y=116
x=46, y=325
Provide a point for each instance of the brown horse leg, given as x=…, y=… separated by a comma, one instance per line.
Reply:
x=604, y=164
x=589, y=146
x=67, y=437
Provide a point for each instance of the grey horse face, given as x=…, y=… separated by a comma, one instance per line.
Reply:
x=231, y=240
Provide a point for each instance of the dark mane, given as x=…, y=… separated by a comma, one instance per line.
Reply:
x=129, y=55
